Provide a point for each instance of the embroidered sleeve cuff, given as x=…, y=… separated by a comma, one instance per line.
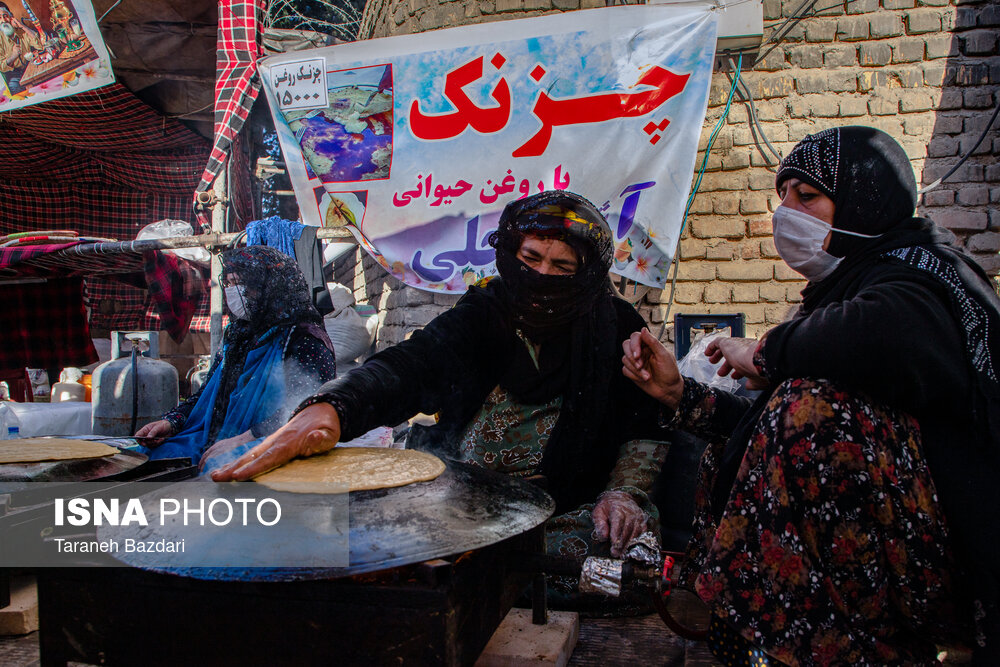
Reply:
x=758, y=360
x=176, y=420
x=697, y=404
x=338, y=405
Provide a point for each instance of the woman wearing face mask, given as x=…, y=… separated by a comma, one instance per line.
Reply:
x=274, y=353
x=848, y=515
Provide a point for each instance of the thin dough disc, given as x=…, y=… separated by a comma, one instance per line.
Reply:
x=359, y=468
x=33, y=450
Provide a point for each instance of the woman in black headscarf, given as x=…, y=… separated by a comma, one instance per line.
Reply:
x=523, y=373
x=274, y=353
x=849, y=517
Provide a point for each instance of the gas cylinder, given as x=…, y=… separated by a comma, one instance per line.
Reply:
x=199, y=373
x=134, y=388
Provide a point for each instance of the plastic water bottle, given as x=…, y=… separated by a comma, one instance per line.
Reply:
x=13, y=432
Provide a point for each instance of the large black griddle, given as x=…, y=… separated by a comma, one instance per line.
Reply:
x=465, y=508
x=434, y=568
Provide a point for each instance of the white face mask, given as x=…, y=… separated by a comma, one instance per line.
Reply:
x=799, y=239
x=236, y=301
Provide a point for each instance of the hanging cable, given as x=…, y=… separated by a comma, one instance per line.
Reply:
x=785, y=28
x=755, y=127
x=694, y=190
x=965, y=157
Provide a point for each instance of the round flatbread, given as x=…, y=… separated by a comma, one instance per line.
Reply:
x=34, y=450
x=358, y=468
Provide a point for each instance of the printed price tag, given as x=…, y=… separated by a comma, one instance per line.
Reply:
x=300, y=84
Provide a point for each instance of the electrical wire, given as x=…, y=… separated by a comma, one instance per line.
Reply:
x=964, y=157
x=694, y=189
x=755, y=127
x=785, y=28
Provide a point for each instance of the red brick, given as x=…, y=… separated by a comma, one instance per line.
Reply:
x=717, y=292
x=961, y=219
x=696, y=271
x=746, y=270
x=707, y=228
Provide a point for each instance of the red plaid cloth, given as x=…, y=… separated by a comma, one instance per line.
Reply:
x=14, y=255
x=236, y=81
x=176, y=287
x=104, y=164
x=45, y=326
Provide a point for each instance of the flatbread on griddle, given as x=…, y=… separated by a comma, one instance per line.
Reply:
x=34, y=450
x=358, y=468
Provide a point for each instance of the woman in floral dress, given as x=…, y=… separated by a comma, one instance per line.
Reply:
x=847, y=516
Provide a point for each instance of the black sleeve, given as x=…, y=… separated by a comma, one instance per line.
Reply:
x=308, y=363
x=463, y=345
x=896, y=340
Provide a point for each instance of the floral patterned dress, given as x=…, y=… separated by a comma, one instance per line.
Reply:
x=832, y=548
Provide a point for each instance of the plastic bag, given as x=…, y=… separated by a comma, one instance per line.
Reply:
x=165, y=229
x=341, y=296
x=696, y=365
x=351, y=334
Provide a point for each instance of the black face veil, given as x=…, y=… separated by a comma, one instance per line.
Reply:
x=544, y=304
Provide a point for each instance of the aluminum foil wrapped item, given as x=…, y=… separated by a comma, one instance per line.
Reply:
x=601, y=575
x=644, y=549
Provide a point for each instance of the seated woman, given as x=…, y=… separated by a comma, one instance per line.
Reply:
x=524, y=375
x=274, y=353
x=850, y=517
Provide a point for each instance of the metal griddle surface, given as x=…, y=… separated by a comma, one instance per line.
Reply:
x=73, y=470
x=465, y=508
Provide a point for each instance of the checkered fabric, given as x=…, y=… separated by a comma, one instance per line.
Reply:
x=45, y=326
x=176, y=287
x=101, y=163
x=236, y=81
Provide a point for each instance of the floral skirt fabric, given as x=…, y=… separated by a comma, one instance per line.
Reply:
x=832, y=548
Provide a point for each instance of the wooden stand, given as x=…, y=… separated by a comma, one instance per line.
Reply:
x=519, y=642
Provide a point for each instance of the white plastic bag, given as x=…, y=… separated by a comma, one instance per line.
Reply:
x=165, y=229
x=350, y=333
x=696, y=365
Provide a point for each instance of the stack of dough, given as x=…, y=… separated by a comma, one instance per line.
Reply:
x=34, y=450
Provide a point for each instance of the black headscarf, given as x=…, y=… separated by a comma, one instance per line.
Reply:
x=870, y=180
x=866, y=174
x=574, y=319
x=277, y=300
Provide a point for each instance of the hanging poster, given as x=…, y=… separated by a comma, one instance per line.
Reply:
x=416, y=143
x=49, y=49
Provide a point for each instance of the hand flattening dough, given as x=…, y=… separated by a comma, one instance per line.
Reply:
x=34, y=450
x=358, y=468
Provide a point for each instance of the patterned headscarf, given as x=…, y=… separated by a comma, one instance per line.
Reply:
x=544, y=304
x=866, y=174
x=277, y=300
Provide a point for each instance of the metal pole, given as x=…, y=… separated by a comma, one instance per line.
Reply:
x=218, y=227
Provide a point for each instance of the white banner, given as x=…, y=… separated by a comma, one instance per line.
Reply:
x=417, y=142
x=49, y=49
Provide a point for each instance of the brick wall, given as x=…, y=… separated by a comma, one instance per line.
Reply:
x=927, y=72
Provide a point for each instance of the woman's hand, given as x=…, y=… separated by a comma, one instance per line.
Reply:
x=619, y=518
x=736, y=355
x=314, y=430
x=223, y=446
x=155, y=432
x=652, y=368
